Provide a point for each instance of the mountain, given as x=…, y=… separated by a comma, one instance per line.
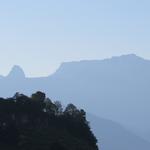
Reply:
x=16, y=72
x=116, y=88
x=14, y=81
x=113, y=136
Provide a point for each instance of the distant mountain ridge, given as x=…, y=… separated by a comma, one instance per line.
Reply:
x=116, y=88
x=17, y=70
x=113, y=136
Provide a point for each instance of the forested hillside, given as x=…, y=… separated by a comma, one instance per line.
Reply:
x=37, y=123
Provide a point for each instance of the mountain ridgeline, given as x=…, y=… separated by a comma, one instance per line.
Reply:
x=37, y=123
x=115, y=89
x=113, y=85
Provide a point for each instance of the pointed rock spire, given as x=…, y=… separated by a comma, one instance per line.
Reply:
x=16, y=72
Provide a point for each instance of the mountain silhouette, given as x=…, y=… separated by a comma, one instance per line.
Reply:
x=16, y=72
x=116, y=88
x=113, y=136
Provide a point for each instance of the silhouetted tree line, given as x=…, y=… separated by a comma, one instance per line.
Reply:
x=37, y=123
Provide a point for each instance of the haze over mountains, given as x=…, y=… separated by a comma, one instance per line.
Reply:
x=113, y=136
x=117, y=88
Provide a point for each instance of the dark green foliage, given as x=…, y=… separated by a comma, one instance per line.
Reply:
x=37, y=123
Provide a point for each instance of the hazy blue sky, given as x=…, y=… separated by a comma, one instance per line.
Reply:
x=40, y=34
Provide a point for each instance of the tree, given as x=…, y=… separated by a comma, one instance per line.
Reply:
x=50, y=107
x=38, y=100
x=39, y=96
x=72, y=110
x=58, y=107
x=37, y=123
x=57, y=146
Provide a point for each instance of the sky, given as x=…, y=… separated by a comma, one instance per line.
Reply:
x=39, y=35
